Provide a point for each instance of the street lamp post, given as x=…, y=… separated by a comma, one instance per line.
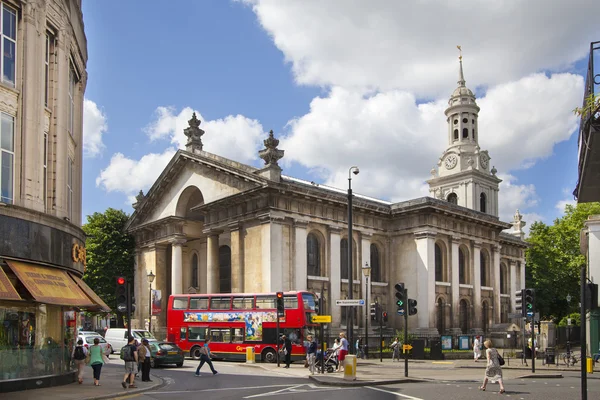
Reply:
x=151, y=277
x=367, y=271
x=569, y=324
x=355, y=170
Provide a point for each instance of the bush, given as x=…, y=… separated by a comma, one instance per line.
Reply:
x=575, y=320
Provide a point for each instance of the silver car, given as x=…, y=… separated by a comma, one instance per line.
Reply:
x=88, y=341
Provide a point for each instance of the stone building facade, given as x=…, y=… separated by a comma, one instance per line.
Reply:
x=213, y=225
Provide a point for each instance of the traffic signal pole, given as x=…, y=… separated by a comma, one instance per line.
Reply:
x=128, y=311
x=405, y=333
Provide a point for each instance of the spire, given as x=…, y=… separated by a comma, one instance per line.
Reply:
x=194, y=135
x=461, y=76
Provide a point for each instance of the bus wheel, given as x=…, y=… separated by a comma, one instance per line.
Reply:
x=195, y=353
x=269, y=355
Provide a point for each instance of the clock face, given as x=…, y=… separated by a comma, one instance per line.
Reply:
x=484, y=160
x=451, y=161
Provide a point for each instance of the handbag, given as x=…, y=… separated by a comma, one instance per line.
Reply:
x=88, y=357
x=500, y=360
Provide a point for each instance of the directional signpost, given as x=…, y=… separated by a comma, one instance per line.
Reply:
x=406, y=347
x=321, y=319
x=350, y=302
x=400, y=312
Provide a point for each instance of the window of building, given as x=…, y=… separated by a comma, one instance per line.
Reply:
x=465, y=133
x=49, y=49
x=482, y=202
x=70, y=189
x=7, y=157
x=439, y=264
x=484, y=270
x=224, y=269
x=313, y=255
x=440, y=325
x=456, y=134
x=72, y=84
x=344, y=258
x=462, y=267
x=375, y=264
x=453, y=198
x=9, y=45
x=194, y=268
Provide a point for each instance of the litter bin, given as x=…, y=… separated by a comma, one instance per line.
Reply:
x=250, y=355
x=418, y=349
x=589, y=363
x=436, y=349
x=550, y=356
x=350, y=368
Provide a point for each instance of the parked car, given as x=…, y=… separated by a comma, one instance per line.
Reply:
x=88, y=340
x=117, y=337
x=164, y=353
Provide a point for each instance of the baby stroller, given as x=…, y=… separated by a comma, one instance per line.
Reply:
x=329, y=360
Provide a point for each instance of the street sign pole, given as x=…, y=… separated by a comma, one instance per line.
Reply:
x=405, y=307
x=278, y=340
x=128, y=311
x=322, y=311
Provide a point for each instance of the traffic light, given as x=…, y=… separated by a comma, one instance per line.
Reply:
x=529, y=302
x=591, y=296
x=280, y=307
x=400, y=297
x=318, y=306
x=121, y=294
x=373, y=311
x=132, y=304
x=384, y=315
x=519, y=302
x=412, y=306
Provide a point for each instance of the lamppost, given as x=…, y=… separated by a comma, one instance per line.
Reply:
x=151, y=277
x=355, y=170
x=367, y=271
x=569, y=324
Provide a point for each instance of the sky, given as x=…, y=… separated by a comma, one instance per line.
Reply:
x=341, y=83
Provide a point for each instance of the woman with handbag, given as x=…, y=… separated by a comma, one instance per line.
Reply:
x=493, y=370
x=96, y=360
x=205, y=357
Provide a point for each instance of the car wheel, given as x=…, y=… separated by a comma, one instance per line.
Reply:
x=269, y=355
x=179, y=365
x=195, y=353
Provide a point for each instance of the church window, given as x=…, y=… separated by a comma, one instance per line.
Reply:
x=483, y=269
x=375, y=264
x=439, y=264
x=344, y=258
x=194, y=282
x=313, y=255
x=453, y=198
x=503, y=279
x=465, y=120
x=456, y=134
x=462, y=267
x=224, y=269
x=465, y=133
x=482, y=202
x=455, y=121
x=464, y=316
x=473, y=121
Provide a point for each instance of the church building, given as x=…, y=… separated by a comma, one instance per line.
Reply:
x=212, y=225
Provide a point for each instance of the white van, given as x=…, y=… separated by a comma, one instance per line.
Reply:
x=117, y=337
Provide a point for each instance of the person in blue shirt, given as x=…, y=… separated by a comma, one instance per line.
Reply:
x=205, y=357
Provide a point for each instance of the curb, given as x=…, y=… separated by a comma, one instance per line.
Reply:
x=126, y=392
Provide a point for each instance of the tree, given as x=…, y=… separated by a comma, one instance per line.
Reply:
x=110, y=253
x=554, y=260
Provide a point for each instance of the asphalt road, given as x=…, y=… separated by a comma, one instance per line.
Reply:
x=235, y=381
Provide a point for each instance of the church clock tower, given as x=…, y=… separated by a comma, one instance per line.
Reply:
x=463, y=174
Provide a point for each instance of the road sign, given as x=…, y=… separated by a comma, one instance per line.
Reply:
x=121, y=308
x=406, y=347
x=529, y=314
x=400, y=311
x=322, y=319
x=515, y=315
x=350, y=302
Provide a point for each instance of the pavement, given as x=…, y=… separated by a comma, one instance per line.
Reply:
x=368, y=372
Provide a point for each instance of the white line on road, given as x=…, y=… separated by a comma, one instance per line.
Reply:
x=296, y=389
x=394, y=393
x=216, y=390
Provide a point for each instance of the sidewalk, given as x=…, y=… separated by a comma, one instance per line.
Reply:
x=110, y=386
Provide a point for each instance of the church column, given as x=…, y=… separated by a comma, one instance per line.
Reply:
x=237, y=258
x=212, y=263
x=513, y=285
x=365, y=258
x=477, y=285
x=300, y=233
x=496, y=271
x=336, y=275
x=425, y=289
x=177, y=266
x=455, y=283
x=272, y=256
x=153, y=258
x=522, y=273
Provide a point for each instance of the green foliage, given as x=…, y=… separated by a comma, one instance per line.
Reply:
x=110, y=252
x=575, y=320
x=554, y=260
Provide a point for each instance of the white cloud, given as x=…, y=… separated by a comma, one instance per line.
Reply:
x=235, y=137
x=130, y=176
x=513, y=197
x=94, y=126
x=384, y=45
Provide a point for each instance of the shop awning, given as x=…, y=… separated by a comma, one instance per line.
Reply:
x=7, y=290
x=100, y=305
x=50, y=285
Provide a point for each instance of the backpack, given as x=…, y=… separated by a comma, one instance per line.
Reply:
x=79, y=354
x=127, y=353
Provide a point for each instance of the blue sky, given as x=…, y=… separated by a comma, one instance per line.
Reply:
x=340, y=83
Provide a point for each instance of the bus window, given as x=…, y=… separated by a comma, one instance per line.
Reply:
x=238, y=335
x=265, y=302
x=220, y=335
x=197, y=303
x=220, y=303
x=180, y=304
x=243, y=303
x=182, y=333
x=196, y=333
x=290, y=302
x=309, y=301
x=293, y=335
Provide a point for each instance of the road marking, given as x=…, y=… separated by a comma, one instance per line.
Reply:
x=394, y=393
x=296, y=389
x=442, y=362
x=219, y=389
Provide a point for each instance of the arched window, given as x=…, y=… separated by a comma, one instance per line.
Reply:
x=504, y=313
x=344, y=258
x=465, y=133
x=462, y=267
x=503, y=279
x=313, y=266
x=224, y=269
x=439, y=264
x=456, y=134
x=453, y=198
x=482, y=202
x=483, y=269
x=440, y=324
x=375, y=264
x=194, y=268
x=485, y=316
x=464, y=316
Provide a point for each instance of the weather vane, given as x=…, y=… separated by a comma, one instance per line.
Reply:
x=459, y=52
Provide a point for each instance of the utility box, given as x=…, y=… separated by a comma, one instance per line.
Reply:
x=418, y=349
x=550, y=356
x=250, y=355
x=435, y=349
x=350, y=368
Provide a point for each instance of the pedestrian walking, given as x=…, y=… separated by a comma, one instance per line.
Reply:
x=493, y=370
x=476, y=348
x=78, y=356
x=129, y=354
x=205, y=357
x=144, y=355
x=359, y=348
x=342, y=352
x=287, y=350
x=395, y=349
x=96, y=360
x=311, y=353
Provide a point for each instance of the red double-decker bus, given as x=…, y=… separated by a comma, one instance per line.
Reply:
x=240, y=320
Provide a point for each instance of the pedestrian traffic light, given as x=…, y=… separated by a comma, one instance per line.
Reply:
x=400, y=297
x=519, y=302
x=280, y=307
x=373, y=311
x=529, y=302
x=412, y=306
x=121, y=294
x=384, y=315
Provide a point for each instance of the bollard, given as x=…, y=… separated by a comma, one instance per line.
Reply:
x=350, y=368
x=589, y=362
x=250, y=355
